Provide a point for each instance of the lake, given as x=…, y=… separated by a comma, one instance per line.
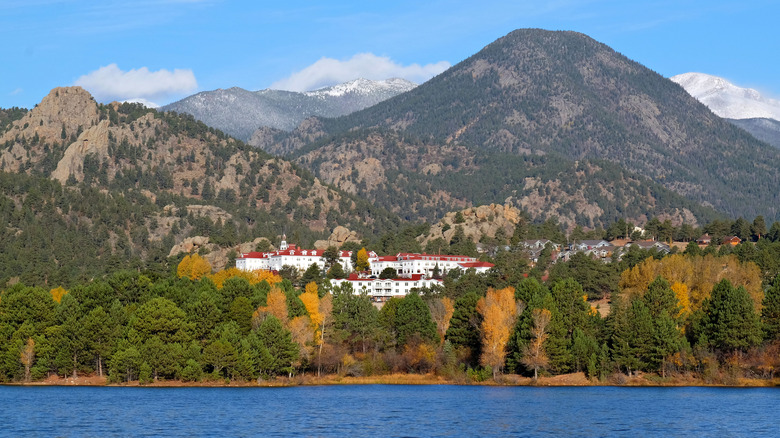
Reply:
x=384, y=410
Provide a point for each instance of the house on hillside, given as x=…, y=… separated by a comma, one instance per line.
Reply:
x=538, y=244
x=650, y=244
x=732, y=240
x=585, y=245
x=704, y=240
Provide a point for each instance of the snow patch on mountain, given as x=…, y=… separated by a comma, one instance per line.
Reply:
x=365, y=87
x=239, y=112
x=726, y=99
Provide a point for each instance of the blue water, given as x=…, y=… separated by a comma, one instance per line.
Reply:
x=380, y=410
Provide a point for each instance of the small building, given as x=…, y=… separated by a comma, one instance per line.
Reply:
x=732, y=240
x=650, y=244
x=585, y=245
x=704, y=240
x=538, y=244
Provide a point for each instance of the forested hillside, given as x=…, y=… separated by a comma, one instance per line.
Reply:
x=552, y=94
x=87, y=188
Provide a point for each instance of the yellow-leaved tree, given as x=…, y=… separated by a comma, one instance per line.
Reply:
x=276, y=305
x=362, y=260
x=319, y=310
x=57, y=293
x=681, y=292
x=698, y=274
x=499, y=312
x=194, y=267
x=253, y=277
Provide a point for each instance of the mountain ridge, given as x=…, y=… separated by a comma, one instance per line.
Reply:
x=543, y=93
x=239, y=112
x=87, y=187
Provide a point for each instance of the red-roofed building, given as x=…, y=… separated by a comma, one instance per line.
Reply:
x=406, y=264
x=289, y=255
x=381, y=290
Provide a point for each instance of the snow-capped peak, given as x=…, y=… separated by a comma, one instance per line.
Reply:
x=726, y=99
x=364, y=87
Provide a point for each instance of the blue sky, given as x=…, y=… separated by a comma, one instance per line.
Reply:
x=163, y=50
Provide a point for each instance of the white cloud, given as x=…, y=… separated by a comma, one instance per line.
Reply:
x=15, y=92
x=329, y=71
x=144, y=102
x=111, y=83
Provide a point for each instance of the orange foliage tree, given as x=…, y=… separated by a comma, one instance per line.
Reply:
x=499, y=312
x=276, y=305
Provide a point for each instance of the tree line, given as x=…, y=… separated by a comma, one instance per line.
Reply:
x=232, y=325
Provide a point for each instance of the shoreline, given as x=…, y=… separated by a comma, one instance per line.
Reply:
x=508, y=380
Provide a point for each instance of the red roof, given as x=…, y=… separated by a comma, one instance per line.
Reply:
x=433, y=257
x=291, y=251
x=468, y=265
x=414, y=277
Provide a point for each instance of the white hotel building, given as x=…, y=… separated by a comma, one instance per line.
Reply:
x=381, y=290
x=414, y=271
x=408, y=264
x=289, y=255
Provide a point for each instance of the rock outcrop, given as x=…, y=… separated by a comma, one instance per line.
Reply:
x=338, y=237
x=92, y=141
x=485, y=220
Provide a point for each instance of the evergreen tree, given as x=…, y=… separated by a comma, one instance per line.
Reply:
x=277, y=351
x=667, y=340
x=730, y=321
x=413, y=320
x=312, y=274
x=464, y=327
x=770, y=312
x=659, y=297
x=355, y=319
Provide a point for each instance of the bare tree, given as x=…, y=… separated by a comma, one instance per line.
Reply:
x=534, y=355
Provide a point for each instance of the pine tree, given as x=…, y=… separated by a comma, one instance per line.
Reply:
x=660, y=297
x=278, y=352
x=730, y=321
x=464, y=326
x=413, y=320
x=770, y=313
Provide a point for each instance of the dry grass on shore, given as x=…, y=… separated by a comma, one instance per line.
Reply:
x=572, y=379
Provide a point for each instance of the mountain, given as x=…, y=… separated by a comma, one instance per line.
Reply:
x=743, y=107
x=726, y=99
x=767, y=130
x=87, y=188
x=239, y=112
x=558, y=121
